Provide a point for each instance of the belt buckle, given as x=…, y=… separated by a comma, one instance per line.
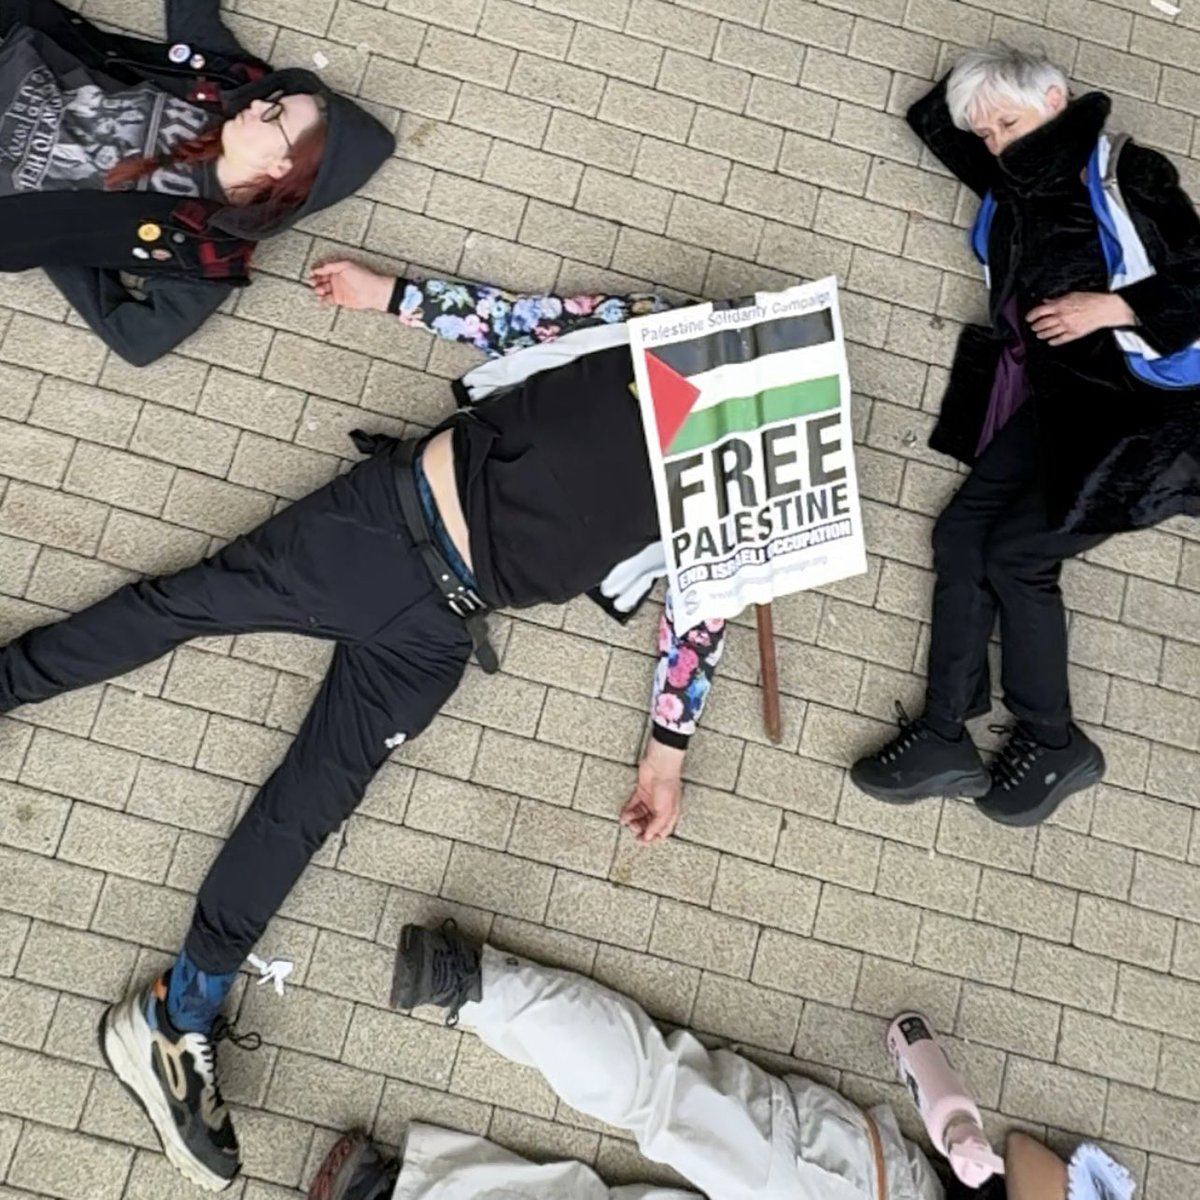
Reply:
x=465, y=602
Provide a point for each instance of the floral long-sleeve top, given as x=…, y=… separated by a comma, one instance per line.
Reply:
x=499, y=322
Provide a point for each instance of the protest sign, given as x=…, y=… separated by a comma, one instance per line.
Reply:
x=746, y=410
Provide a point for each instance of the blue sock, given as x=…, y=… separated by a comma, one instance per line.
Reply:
x=194, y=997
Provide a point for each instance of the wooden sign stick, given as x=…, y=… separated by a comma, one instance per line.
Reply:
x=772, y=722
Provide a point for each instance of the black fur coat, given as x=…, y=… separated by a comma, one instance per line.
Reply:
x=1117, y=453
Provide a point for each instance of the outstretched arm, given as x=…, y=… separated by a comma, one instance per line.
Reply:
x=682, y=679
x=488, y=318
x=198, y=23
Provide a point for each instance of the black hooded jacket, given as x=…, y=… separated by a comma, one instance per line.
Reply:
x=1117, y=453
x=86, y=239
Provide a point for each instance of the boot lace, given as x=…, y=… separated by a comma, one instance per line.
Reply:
x=910, y=733
x=452, y=965
x=1016, y=759
x=203, y=1049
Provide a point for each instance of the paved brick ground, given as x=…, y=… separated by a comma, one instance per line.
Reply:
x=708, y=145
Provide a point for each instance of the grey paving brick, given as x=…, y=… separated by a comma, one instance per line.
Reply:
x=807, y=968
x=1157, y=1123
x=704, y=939
x=886, y=987
x=1046, y=1092
x=593, y=142
x=766, y=895
x=25, y=1013
x=963, y=947
x=604, y=911
x=1084, y=863
x=558, y=84
x=823, y=850
x=1123, y=932
x=13, y=931
x=1166, y=887
x=790, y=781
x=674, y=868
x=462, y=811
x=31, y=820
x=1155, y=1001
x=491, y=880
x=666, y=990
x=728, y=822
x=380, y=850
x=406, y=1102
x=482, y=1074
x=68, y=1165
x=1009, y=1020
x=875, y=925
x=739, y=138
x=114, y=842
x=756, y=1015
x=41, y=887
x=1026, y=905
x=526, y=1135
x=328, y=1093
x=1108, y=1048
x=336, y=900
x=666, y=23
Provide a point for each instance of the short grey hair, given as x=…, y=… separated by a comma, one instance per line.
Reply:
x=997, y=73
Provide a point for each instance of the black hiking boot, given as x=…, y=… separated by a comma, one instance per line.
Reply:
x=918, y=763
x=436, y=966
x=1030, y=780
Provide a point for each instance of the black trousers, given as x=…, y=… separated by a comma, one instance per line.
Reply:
x=338, y=564
x=995, y=553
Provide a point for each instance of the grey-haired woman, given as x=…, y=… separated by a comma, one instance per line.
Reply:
x=1078, y=410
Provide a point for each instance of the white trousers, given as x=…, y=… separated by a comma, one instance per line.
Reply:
x=728, y=1127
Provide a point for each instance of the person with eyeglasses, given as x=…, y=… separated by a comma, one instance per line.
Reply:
x=142, y=175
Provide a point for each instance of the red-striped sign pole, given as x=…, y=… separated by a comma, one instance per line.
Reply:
x=772, y=721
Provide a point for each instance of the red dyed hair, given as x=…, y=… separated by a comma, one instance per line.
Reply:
x=278, y=195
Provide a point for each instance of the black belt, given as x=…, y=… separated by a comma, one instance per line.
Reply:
x=462, y=600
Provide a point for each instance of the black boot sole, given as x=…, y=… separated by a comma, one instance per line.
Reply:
x=1081, y=777
x=409, y=968
x=949, y=784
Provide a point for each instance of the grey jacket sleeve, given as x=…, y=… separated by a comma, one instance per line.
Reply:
x=140, y=331
x=198, y=23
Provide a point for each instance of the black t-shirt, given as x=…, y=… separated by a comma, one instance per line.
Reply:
x=64, y=131
x=554, y=481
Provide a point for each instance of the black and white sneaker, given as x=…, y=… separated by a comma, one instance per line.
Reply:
x=918, y=763
x=172, y=1075
x=436, y=966
x=1030, y=780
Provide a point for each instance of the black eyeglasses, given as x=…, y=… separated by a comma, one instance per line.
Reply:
x=272, y=114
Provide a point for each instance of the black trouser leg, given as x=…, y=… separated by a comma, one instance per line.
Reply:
x=401, y=653
x=964, y=601
x=1024, y=559
x=371, y=694
x=237, y=591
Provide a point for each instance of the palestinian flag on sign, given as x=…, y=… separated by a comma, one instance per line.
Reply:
x=686, y=422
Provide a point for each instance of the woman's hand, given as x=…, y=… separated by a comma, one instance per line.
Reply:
x=1077, y=314
x=652, y=812
x=351, y=285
